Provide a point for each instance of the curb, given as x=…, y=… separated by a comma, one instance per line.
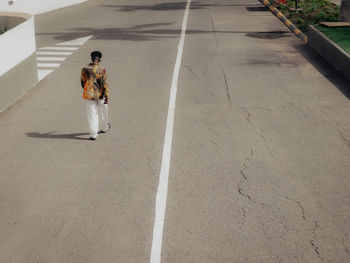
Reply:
x=287, y=22
x=330, y=51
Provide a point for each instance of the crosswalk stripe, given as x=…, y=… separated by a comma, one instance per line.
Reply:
x=76, y=42
x=50, y=58
x=54, y=53
x=48, y=65
x=59, y=48
x=42, y=73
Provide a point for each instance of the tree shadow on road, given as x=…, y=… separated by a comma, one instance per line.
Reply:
x=169, y=6
x=335, y=77
x=51, y=135
x=145, y=32
x=135, y=33
x=269, y=34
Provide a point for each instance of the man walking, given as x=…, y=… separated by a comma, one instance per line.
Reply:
x=96, y=93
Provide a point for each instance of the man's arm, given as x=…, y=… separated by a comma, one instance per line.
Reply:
x=105, y=86
x=82, y=78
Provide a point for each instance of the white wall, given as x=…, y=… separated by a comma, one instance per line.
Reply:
x=35, y=6
x=17, y=44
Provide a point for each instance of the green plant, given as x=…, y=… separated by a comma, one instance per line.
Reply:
x=321, y=16
x=283, y=8
x=340, y=35
x=3, y=30
x=311, y=12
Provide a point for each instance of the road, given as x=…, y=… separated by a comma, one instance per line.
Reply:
x=259, y=166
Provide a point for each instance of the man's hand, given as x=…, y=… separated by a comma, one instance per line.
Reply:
x=106, y=101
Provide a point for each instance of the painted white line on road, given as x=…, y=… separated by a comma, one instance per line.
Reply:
x=54, y=53
x=59, y=48
x=76, y=42
x=50, y=59
x=42, y=73
x=48, y=65
x=162, y=191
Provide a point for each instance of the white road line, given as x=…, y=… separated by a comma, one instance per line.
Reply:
x=42, y=73
x=50, y=59
x=165, y=167
x=48, y=65
x=54, y=53
x=59, y=48
x=76, y=42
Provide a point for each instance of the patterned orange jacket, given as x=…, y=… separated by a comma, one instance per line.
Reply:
x=100, y=76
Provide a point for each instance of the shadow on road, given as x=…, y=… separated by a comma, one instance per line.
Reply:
x=51, y=135
x=168, y=6
x=269, y=35
x=335, y=77
x=148, y=32
x=257, y=9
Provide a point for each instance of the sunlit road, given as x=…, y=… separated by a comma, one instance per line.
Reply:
x=260, y=144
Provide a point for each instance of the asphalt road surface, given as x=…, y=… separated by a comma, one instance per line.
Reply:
x=259, y=169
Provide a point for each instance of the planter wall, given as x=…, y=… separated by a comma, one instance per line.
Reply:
x=330, y=51
x=35, y=6
x=18, y=65
x=10, y=21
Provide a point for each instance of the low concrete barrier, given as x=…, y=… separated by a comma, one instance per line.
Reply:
x=330, y=51
x=35, y=6
x=10, y=21
x=18, y=71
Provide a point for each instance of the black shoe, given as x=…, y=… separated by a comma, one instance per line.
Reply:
x=92, y=139
x=107, y=129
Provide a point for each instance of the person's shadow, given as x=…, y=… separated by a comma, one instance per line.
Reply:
x=52, y=135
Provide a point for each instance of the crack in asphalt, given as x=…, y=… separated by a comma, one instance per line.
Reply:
x=260, y=134
x=190, y=70
x=313, y=241
x=344, y=138
x=213, y=30
x=298, y=204
x=338, y=125
x=244, y=213
x=227, y=89
x=245, y=177
x=329, y=118
x=244, y=216
x=345, y=247
x=150, y=167
x=240, y=190
x=246, y=112
x=223, y=72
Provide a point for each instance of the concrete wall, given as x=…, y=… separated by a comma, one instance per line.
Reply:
x=35, y=6
x=8, y=22
x=330, y=51
x=18, y=72
x=17, y=81
x=18, y=43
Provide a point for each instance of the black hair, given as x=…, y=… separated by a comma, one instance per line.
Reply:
x=96, y=54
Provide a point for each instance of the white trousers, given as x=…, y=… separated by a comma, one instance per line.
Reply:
x=93, y=109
